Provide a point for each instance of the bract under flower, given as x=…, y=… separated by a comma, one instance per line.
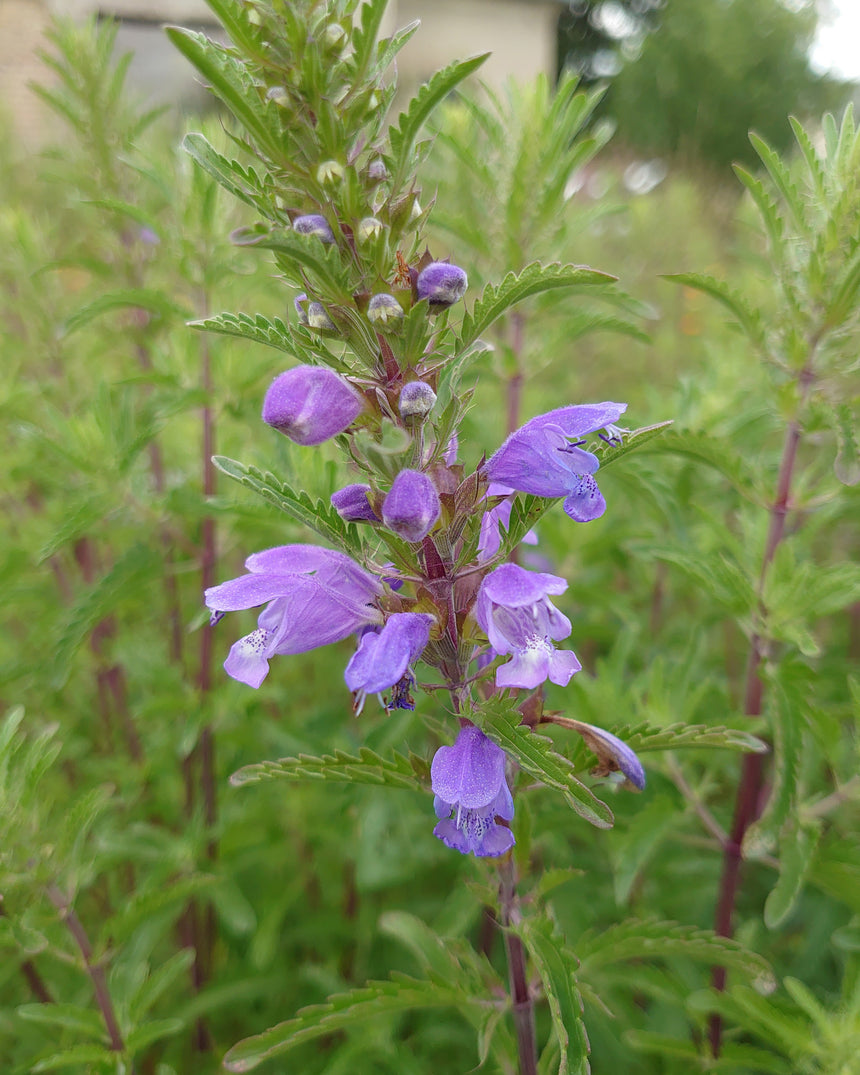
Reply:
x=315, y=596
x=518, y=618
x=469, y=782
x=539, y=457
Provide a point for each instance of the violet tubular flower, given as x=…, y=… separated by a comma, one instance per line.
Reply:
x=384, y=658
x=310, y=404
x=313, y=596
x=469, y=782
x=613, y=754
x=412, y=506
x=514, y=611
x=539, y=457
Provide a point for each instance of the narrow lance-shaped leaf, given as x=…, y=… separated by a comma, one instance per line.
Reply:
x=796, y=855
x=242, y=183
x=748, y=318
x=409, y=123
x=258, y=328
x=534, y=279
x=367, y=767
x=317, y=516
x=340, y=1012
x=556, y=965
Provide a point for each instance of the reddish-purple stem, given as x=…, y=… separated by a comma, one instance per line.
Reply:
x=749, y=794
x=522, y=1003
x=95, y=970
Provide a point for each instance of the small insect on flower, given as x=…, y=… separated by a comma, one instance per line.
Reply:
x=403, y=276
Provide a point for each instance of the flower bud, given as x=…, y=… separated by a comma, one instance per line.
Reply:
x=310, y=404
x=299, y=303
x=384, y=310
x=369, y=229
x=412, y=506
x=335, y=36
x=352, y=505
x=314, y=224
x=318, y=317
x=442, y=284
x=416, y=400
x=376, y=169
x=329, y=173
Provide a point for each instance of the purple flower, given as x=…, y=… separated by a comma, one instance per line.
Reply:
x=313, y=596
x=441, y=284
x=539, y=458
x=314, y=224
x=384, y=658
x=412, y=505
x=515, y=613
x=416, y=400
x=309, y=404
x=352, y=505
x=496, y=518
x=299, y=303
x=469, y=781
x=613, y=755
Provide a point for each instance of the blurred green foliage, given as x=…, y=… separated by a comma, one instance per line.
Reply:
x=109, y=242
x=688, y=78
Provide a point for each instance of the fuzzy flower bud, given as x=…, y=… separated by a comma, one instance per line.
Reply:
x=384, y=310
x=376, y=169
x=318, y=317
x=442, y=284
x=314, y=224
x=416, y=400
x=299, y=303
x=412, y=506
x=310, y=404
x=369, y=228
x=352, y=505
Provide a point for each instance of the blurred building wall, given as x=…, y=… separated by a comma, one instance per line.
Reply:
x=521, y=34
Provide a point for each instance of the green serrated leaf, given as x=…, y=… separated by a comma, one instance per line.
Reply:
x=68, y=1016
x=243, y=183
x=232, y=81
x=79, y=1057
x=719, y=454
x=340, y=1012
x=159, y=982
x=644, y=737
x=500, y=720
x=257, y=328
x=141, y=298
x=367, y=767
x=635, y=439
x=797, y=850
x=318, y=516
x=556, y=967
x=782, y=180
x=534, y=279
x=747, y=316
x=406, y=129
x=651, y=938
x=312, y=256
x=145, y=1035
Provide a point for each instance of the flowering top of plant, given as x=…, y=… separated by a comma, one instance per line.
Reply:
x=381, y=339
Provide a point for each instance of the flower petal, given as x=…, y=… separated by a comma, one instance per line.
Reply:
x=470, y=773
x=585, y=501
